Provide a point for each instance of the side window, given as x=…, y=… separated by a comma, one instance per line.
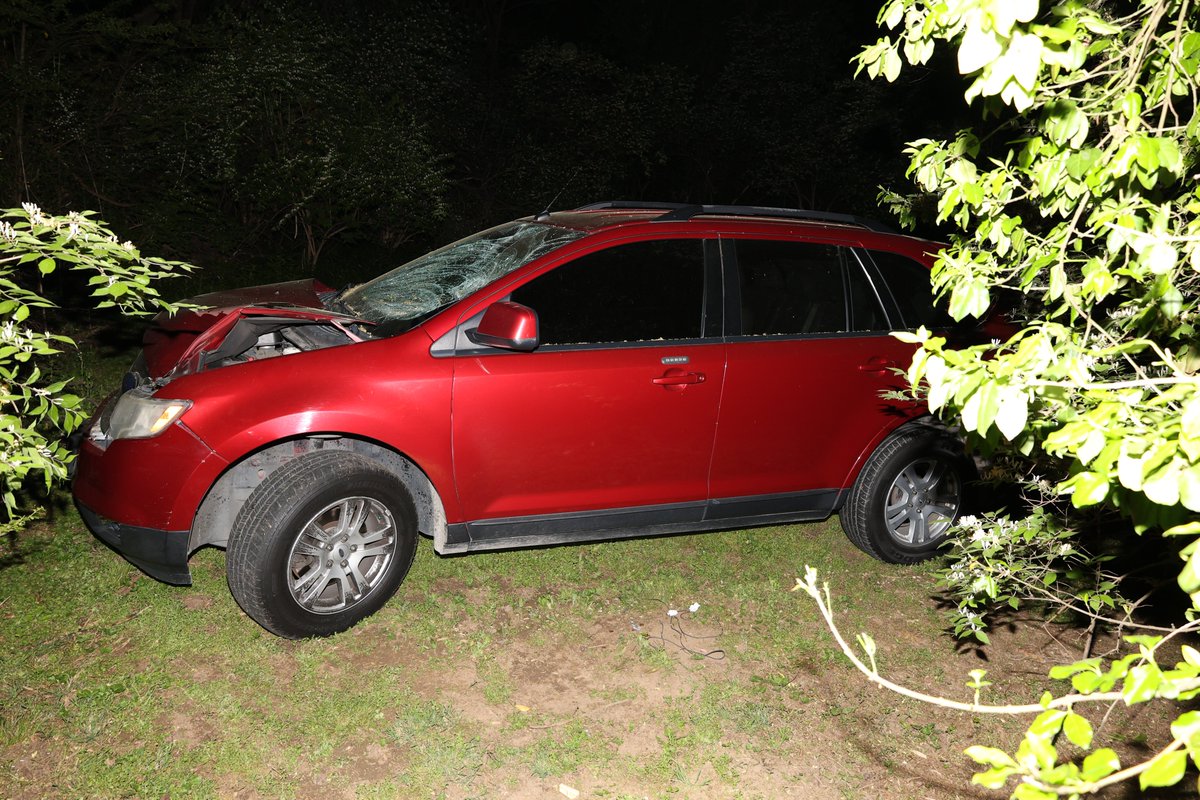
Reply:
x=910, y=285
x=635, y=292
x=866, y=314
x=791, y=287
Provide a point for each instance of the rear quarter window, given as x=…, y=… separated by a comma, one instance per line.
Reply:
x=912, y=290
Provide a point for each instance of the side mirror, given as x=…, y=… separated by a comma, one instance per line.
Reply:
x=507, y=325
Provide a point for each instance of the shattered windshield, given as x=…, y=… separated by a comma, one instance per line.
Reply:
x=415, y=290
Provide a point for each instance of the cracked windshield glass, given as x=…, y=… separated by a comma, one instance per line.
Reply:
x=412, y=292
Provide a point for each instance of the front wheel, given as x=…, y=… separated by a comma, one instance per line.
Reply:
x=321, y=544
x=908, y=496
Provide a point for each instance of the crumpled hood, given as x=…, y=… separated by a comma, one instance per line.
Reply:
x=177, y=343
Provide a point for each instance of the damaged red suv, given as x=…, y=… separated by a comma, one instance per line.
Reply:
x=622, y=369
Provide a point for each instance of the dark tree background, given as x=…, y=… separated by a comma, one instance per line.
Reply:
x=342, y=136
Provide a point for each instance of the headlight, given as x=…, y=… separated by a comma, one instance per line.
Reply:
x=139, y=416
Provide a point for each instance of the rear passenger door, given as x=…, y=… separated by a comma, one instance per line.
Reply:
x=808, y=354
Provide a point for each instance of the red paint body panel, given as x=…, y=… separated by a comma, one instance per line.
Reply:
x=543, y=433
x=796, y=413
x=149, y=483
x=297, y=293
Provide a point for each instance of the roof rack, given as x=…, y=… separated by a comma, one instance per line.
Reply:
x=676, y=212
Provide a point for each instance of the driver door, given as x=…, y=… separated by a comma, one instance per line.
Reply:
x=611, y=420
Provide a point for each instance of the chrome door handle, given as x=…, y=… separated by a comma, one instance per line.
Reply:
x=677, y=377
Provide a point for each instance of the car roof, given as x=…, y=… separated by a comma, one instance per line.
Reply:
x=611, y=215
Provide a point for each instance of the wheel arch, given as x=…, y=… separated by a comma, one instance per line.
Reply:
x=219, y=509
x=926, y=421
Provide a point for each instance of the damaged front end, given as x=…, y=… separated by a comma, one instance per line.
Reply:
x=201, y=339
x=243, y=335
x=138, y=449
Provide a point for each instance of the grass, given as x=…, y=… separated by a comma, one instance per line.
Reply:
x=141, y=689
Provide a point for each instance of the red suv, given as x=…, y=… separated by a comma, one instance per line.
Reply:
x=622, y=369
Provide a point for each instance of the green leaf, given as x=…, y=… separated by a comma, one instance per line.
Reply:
x=891, y=65
x=969, y=298
x=46, y=266
x=1191, y=656
x=1078, y=730
x=1189, y=576
x=1025, y=59
x=1038, y=747
x=986, y=403
x=1065, y=124
x=1081, y=163
x=1141, y=684
x=1013, y=412
x=1088, y=488
x=1025, y=791
x=1189, y=487
x=994, y=778
x=1163, y=486
x=978, y=48
x=1100, y=764
x=1166, y=770
x=989, y=756
x=1058, y=281
x=1186, y=725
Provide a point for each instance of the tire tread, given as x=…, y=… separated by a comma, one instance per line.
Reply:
x=270, y=502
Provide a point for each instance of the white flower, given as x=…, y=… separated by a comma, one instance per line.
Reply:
x=694, y=607
x=673, y=613
x=35, y=213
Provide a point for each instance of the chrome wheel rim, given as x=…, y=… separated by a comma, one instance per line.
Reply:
x=341, y=555
x=922, y=502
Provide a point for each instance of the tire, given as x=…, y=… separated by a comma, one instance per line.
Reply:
x=331, y=504
x=910, y=492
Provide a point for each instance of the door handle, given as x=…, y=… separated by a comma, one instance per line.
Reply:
x=877, y=364
x=678, y=377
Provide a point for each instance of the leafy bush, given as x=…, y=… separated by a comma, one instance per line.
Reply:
x=1083, y=201
x=36, y=413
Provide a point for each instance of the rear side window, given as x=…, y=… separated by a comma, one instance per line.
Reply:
x=793, y=288
x=638, y=292
x=911, y=288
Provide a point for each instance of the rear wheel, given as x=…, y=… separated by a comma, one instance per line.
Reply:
x=907, y=497
x=321, y=544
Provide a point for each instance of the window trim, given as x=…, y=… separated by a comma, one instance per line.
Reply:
x=455, y=343
x=731, y=278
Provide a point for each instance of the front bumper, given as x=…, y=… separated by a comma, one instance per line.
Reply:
x=160, y=554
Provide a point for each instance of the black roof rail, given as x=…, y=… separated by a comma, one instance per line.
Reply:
x=676, y=212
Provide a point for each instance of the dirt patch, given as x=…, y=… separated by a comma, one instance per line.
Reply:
x=195, y=601
x=188, y=726
x=29, y=767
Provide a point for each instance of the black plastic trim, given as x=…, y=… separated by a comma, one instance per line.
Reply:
x=160, y=554
x=680, y=212
x=570, y=523
x=623, y=523
x=819, y=501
